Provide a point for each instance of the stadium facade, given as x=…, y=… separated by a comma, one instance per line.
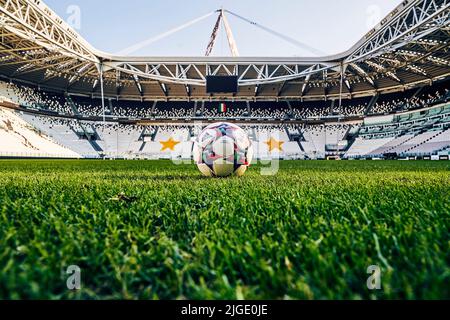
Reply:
x=386, y=97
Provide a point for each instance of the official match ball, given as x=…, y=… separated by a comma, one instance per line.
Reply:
x=223, y=149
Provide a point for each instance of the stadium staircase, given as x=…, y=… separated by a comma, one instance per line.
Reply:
x=288, y=133
x=141, y=148
x=144, y=135
x=110, y=107
x=330, y=108
x=425, y=141
x=202, y=109
x=300, y=145
x=298, y=139
x=398, y=144
x=155, y=133
x=405, y=106
x=291, y=111
x=91, y=135
x=351, y=135
x=195, y=109
x=347, y=134
x=154, y=108
x=371, y=103
x=416, y=94
x=331, y=111
x=72, y=105
x=295, y=138
x=191, y=132
x=95, y=146
x=94, y=143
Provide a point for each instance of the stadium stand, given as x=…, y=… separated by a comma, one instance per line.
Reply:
x=410, y=123
x=362, y=147
x=65, y=131
x=422, y=132
x=20, y=139
x=91, y=107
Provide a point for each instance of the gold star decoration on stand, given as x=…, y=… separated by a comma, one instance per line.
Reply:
x=169, y=144
x=274, y=144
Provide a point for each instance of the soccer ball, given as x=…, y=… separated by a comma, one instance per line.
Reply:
x=223, y=149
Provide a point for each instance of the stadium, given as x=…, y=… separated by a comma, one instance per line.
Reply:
x=151, y=227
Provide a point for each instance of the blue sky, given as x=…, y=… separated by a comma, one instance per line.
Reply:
x=330, y=26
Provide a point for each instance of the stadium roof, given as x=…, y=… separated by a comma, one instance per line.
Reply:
x=407, y=48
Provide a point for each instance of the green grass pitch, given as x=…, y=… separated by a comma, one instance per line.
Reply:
x=155, y=230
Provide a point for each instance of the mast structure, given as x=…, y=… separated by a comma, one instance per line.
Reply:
x=222, y=20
